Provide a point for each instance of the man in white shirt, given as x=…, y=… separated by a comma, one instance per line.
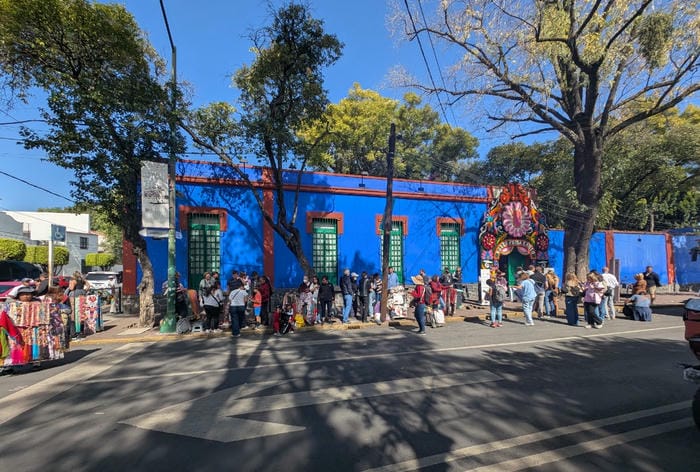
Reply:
x=608, y=300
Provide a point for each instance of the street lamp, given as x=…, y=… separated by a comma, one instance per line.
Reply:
x=167, y=325
x=362, y=176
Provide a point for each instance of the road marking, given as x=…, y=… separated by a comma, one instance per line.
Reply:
x=34, y=395
x=500, y=444
x=212, y=414
x=189, y=373
x=555, y=455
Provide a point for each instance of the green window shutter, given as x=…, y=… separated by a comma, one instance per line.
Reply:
x=395, y=249
x=325, y=248
x=449, y=245
x=204, y=246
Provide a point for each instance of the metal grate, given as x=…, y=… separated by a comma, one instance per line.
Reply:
x=395, y=249
x=325, y=248
x=449, y=245
x=204, y=246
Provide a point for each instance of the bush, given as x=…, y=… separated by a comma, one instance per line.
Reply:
x=40, y=255
x=103, y=260
x=12, y=249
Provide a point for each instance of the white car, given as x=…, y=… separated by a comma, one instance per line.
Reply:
x=100, y=280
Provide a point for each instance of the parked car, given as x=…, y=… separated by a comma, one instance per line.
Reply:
x=99, y=280
x=6, y=288
x=18, y=270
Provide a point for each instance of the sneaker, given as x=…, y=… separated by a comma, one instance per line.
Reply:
x=498, y=325
x=494, y=325
x=276, y=333
x=236, y=335
x=422, y=333
x=257, y=327
x=598, y=326
x=587, y=326
x=292, y=332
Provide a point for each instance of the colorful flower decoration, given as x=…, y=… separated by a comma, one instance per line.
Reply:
x=488, y=241
x=542, y=243
x=516, y=219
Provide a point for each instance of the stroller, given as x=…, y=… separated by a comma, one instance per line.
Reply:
x=434, y=316
x=283, y=320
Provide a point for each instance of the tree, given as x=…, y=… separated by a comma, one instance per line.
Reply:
x=105, y=109
x=40, y=255
x=352, y=137
x=280, y=91
x=573, y=67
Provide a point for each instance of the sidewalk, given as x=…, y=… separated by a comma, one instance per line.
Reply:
x=124, y=328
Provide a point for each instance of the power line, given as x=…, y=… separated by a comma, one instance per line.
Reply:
x=425, y=60
x=37, y=186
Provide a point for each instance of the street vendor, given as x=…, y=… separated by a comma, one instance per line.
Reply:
x=26, y=294
x=26, y=282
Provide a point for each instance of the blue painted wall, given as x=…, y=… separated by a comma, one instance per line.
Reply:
x=687, y=270
x=638, y=250
x=556, y=251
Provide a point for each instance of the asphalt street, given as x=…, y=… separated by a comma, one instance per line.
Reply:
x=465, y=397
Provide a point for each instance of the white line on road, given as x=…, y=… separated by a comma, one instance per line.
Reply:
x=500, y=444
x=34, y=395
x=555, y=455
x=376, y=356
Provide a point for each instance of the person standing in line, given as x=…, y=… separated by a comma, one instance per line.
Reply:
x=448, y=292
x=526, y=289
x=238, y=299
x=496, y=297
x=347, y=291
x=313, y=308
x=593, y=291
x=458, y=284
x=653, y=281
x=378, y=288
x=392, y=279
x=552, y=292
x=572, y=294
x=365, y=285
x=213, y=299
x=204, y=286
x=265, y=288
x=355, y=295
x=609, y=296
x=421, y=295
x=326, y=293
x=540, y=281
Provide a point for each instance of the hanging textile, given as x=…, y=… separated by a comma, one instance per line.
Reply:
x=31, y=332
x=87, y=314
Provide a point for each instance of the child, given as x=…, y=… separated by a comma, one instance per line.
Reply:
x=257, y=303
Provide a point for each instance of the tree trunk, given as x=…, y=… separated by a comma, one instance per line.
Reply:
x=292, y=239
x=145, y=287
x=580, y=224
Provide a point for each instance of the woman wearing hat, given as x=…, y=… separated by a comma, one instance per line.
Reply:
x=421, y=295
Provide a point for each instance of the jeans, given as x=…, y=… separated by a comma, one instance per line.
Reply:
x=324, y=309
x=539, y=304
x=372, y=301
x=549, y=302
x=600, y=311
x=420, y=317
x=237, y=313
x=527, y=310
x=609, y=305
x=571, y=310
x=591, y=311
x=496, y=311
x=347, y=299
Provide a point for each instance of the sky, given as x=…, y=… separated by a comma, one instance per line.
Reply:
x=211, y=37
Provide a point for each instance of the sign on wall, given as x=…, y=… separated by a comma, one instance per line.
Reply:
x=58, y=233
x=154, y=195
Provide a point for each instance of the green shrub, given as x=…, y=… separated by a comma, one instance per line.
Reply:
x=12, y=249
x=40, y=255
x=104, y=260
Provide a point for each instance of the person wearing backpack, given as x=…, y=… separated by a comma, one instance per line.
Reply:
x=497, y=295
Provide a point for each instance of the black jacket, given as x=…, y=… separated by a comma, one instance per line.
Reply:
x=652, y=279
x=325, y=292
x=346, y=285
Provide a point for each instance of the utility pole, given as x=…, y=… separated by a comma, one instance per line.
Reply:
x=386, y=222
x=167, y=325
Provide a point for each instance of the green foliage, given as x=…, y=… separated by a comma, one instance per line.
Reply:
x=103, y=260
x=654, y=33
x=352, y=135
x=40, y=255
x=12, y=249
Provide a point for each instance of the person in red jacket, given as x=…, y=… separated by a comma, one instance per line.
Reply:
x=265, y=289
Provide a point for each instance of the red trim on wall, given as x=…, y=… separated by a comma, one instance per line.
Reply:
x=129, y=268
x=609, y=247
x=268, y=232
x=378, y=223
x=448, y=219
x=332, y=215
x=185, y=210
x=670, y=263
x=336, y=190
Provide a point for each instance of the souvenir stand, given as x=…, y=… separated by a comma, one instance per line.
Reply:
x=41, y=325
x=87, y=314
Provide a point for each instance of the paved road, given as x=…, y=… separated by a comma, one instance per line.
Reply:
x=465, y=397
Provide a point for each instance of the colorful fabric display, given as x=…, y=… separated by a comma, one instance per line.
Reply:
x=31, y=332
x=87, y=314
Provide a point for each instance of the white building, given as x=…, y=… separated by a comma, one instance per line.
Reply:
x=34, y=229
